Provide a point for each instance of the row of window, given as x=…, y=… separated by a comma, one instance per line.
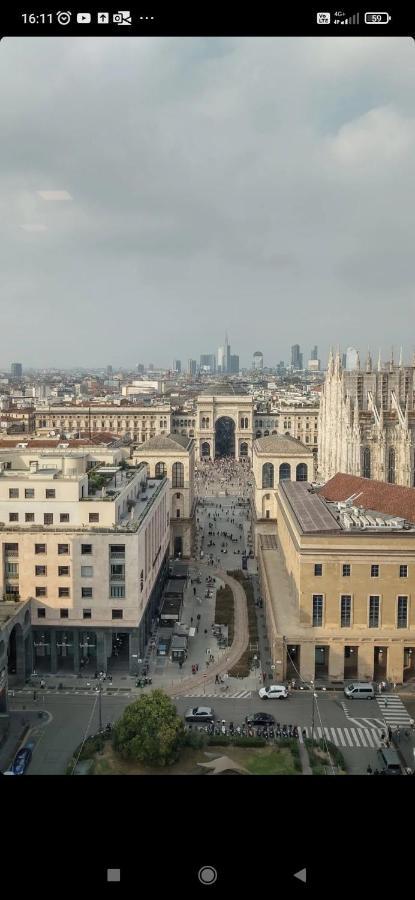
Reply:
x=373, y=612
x=116, y=590
x=117, y=571
x=390, y=464
x=86, y=613
x=48, y=518
x=301, y=473
x=374, y=570
x=177, y=474
x=29, y=493
x=116, y=550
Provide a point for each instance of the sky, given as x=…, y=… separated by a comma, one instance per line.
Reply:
x=259, y=186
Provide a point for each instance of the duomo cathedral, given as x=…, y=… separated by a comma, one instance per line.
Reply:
x=367, y=421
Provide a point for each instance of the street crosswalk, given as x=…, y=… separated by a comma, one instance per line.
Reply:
x=346, y=738
x=239, y=695
x=393, y=710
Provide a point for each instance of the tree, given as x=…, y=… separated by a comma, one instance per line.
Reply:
x=150, y=731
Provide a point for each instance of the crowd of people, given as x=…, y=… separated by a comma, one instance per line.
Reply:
x=227, y=476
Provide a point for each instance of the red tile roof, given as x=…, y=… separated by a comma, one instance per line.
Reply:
x=392, y=499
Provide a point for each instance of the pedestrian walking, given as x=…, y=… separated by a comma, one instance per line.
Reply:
x=389, y=733
x=35, y=695
x=369, y=770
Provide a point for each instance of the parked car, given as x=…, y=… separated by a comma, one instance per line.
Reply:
x=273, y=692
x=260, y=718
x=200, y=714
x=22, y=759
x=389, y=761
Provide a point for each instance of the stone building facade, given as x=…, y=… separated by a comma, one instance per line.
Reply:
x=338, y=582
x=367, y=422
x=218, y=409
x=173, y=456
x=274, y=459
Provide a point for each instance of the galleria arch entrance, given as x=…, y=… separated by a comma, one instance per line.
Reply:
x=224, y=437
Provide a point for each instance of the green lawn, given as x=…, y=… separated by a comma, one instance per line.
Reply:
x=271, y=762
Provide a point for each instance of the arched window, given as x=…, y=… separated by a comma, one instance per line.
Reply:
x=243, y=450
x=178, y=475
x=267, y=475
x=301, y=472
x=266, y=433
x=258, y=433
x=203, y=422
x=274, y=432
x=366, y=463
x=160, y=469
x=391, y=465
x=242, y=423
x=205, y=449
x=285, y=471
x=246, y=423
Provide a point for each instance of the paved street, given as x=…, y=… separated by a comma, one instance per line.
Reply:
x=73, y=716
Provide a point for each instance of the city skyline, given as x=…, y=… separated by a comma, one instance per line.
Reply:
x=174, y=208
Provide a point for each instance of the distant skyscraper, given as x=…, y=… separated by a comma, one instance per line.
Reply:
x=221, y=359
x=16, y=370
x=109, y=371
x=314, y=352
x=192, y=366
x=258, y=360
x=352, y=359
x=150, y=367
x=296, y=361
x=234, y=364
x=177, y=366
x=343, y=360
x=227, y=354
x=208, y=361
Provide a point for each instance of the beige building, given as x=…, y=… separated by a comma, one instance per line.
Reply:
x=173, y=456
x=224, y=423
x=89, y=547
x=274, y=459
x=337, y=581
x=367, y=422
x=135, y=422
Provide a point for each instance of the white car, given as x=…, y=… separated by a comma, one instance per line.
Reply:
x=273, y=691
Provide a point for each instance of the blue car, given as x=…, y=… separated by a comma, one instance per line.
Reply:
x=22, y=759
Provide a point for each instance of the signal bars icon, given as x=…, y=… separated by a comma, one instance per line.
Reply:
x=351, y=20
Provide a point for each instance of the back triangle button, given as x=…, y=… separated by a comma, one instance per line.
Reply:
x=301, y=875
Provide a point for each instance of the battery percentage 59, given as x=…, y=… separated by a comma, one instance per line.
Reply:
x=377, y=18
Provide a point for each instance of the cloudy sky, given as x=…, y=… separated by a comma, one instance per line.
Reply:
x=259, y=185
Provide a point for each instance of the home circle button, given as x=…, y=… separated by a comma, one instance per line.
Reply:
x=207, y=875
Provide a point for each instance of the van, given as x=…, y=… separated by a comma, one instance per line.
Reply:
x=389, y=760
x=360, y=690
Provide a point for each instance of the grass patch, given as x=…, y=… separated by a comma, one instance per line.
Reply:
x=272, y=762
x=243, y=667
x=224, y=610
x=320, y=753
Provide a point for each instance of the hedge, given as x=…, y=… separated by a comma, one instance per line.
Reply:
x=242, y=668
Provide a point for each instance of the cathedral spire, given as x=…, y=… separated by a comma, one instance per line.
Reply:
x=400, y=358
x=330, y=363
x=379, y=361
x=358, y=360
x=337, y=363
x=368, y=361
x=391, y=362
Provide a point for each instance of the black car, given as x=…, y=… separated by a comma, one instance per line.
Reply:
x=260, y=718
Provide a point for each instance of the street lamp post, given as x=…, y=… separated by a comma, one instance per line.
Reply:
x=100, y=703
x=313, y=713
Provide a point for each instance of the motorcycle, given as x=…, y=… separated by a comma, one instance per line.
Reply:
x=223, y=727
